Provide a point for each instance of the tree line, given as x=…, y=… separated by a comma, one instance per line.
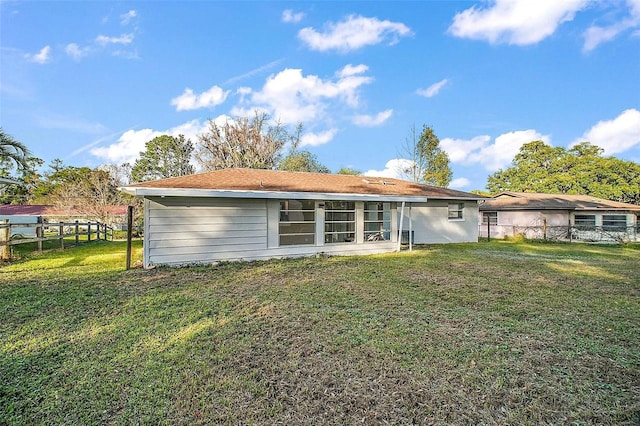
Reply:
x=255, y=142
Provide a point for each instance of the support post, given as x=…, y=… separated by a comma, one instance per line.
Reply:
x=129, y=234
x=5, y=236
x=39, y=236
x=410, y=229
x=77, y=233
x=61, y=234
x=88, y=231
x=400, y=227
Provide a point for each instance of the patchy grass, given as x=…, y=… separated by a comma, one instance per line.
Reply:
x=487, y=333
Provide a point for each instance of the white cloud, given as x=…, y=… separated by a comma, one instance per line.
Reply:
x=132, y=142
x=492, y=156
x=459, y=149
x=75, y=51
x=353, y=33
x=393, y=169
x=596, y=35
x=124, y=39
x=372, y=121
x=459, y=183
x=315, y=139
x=291, y=97
x=432, y=90
x=126, y=18
x=289, y=16
x=617, y=135
x=190, y=101
x=519, y=22
x=42, y=57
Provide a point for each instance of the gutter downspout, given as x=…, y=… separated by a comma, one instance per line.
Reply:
x=400, y=227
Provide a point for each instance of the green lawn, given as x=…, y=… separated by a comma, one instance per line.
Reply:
x=487, y=333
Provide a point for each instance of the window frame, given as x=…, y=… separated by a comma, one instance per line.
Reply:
x=286, y=213
x=332, y=221
x=455, y=208
x=383, y=230
x=614, y=227
x=579, y=221
x=491, y=216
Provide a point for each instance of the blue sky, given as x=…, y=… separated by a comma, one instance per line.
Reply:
x=90, y=82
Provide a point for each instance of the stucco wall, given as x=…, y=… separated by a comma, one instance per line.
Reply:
x=431, y=224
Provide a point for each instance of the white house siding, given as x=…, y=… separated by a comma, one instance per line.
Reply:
x=203, y=230
x=431, y=225
x=181, y=231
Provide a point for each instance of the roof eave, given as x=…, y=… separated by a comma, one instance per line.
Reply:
x=228, y=193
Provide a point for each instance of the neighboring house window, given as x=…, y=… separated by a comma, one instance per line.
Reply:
x=297, y=222
x=614, y=222
x=585, y=221
x=339, y=222
x=455, y=210
x=377, y=221
x=490, y=217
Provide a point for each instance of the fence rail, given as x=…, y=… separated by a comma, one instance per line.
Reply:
x=563, y=233
x=16, y=233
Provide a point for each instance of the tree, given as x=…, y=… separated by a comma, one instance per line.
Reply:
x=11, y=149
x=429, y=163
x=348, y=171
x=91, y=192
x=302, y=161
x=27, y=177
x=164, y=156
x=578, y=170
x=243, y=142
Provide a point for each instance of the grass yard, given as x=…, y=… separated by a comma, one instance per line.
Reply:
x=487, y=333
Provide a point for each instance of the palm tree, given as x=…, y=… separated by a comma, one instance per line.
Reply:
x=13, y=150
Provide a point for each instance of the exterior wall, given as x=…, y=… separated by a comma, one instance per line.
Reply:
x=515, y=222
x=431, y=225
x=181, y=231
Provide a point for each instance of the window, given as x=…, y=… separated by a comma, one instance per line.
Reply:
x=490, y=217
x=377, y=221
x=585, y=221
x=297, y=222
x=614, y=222
x=455, y=210
x=339, y=222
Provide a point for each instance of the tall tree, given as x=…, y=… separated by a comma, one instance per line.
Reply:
x=348, y=171
x=429, y=163
x=27, y=179
x=244, y=142
x=578, y=170
x=164, y=156
x=302, y=161
x=11, y=149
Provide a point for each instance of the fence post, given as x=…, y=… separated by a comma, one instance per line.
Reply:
x=88, y=231
x=488, y=229
x=98, y=231
x=61, y=234
x=39, y=236
x=5, y=236
x=544, y=228
x=77, y=233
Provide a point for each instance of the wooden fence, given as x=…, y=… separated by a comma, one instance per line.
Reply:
x=15, y=233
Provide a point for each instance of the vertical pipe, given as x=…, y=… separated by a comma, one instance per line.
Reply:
x=129, y=234
x=410, y=228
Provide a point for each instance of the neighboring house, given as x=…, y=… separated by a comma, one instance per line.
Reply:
x=32, y=214
x=559, y=216
x=245, y=214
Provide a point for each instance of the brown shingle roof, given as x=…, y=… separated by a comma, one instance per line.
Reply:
x=279, y=181
x=535, y=201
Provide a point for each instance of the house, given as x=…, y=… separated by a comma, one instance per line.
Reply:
x=34, y=214
x=246, y=214
x=559, y=216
